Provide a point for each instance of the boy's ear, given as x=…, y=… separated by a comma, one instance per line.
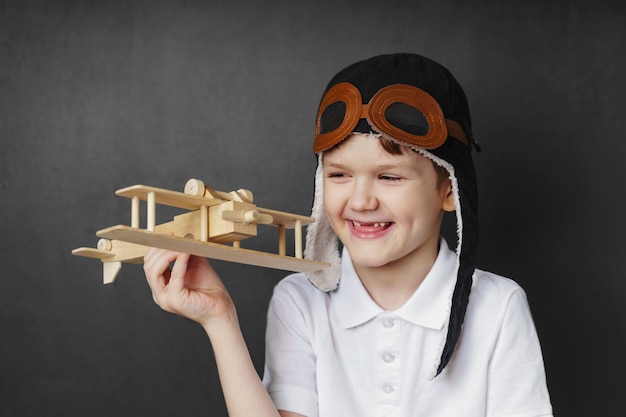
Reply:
x=448, y=201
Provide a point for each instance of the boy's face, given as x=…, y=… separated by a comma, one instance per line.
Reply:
x=384, y=208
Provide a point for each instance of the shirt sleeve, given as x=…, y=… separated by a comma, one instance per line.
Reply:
x=289, y=374
x=517, y=379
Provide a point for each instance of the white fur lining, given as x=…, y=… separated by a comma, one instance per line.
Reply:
x=321, y=241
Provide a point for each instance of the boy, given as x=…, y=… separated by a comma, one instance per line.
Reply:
x=399, y=324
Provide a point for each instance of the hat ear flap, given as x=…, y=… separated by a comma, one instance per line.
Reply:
x=463, y=177
x=321, y=241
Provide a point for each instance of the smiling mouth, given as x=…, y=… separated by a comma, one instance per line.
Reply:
x=373, y=226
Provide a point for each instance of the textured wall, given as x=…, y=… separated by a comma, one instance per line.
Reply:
x=99, y=95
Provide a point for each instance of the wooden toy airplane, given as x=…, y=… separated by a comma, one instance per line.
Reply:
x=213, y=228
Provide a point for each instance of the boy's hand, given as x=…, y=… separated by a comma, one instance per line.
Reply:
x=191, y=288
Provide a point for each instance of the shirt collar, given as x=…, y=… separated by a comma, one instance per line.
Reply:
x=429, y=306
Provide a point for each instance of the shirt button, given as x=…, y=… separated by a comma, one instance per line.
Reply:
x=389, y=323
x=389, y=357
x=388, y=388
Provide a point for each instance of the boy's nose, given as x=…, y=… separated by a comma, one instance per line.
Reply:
x=363, y=198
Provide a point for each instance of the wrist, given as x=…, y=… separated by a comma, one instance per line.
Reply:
x=216, y=325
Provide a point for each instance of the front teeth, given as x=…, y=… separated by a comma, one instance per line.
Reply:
x=358, y=224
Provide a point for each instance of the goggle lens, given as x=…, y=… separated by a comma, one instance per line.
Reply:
x=332, y=117
x=407, y=118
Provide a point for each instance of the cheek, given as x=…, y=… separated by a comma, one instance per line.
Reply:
x=333, y=203
x=329, y=200
x=424, y=205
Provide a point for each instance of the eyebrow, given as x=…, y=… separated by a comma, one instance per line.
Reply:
x=378, y=167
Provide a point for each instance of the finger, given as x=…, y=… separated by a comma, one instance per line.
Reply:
x=156, y=267
x=152, y=256
x=177, y=277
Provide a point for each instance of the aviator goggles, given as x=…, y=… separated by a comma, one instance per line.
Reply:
x=404, y=112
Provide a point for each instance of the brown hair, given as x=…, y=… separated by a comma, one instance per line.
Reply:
x=395, y=148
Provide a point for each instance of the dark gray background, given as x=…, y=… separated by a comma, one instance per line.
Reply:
x=99, y=95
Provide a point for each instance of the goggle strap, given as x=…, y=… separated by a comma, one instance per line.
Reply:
x=365, y=111
x=457, y=132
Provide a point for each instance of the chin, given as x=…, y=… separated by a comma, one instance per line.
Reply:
x=369, y=259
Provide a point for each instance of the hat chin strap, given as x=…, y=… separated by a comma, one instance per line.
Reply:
x=321, y=241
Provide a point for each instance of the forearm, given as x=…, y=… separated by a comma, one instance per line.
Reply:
x=192, y=289
x=243, y=390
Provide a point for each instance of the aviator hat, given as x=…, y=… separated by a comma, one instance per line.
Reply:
x=415, y=102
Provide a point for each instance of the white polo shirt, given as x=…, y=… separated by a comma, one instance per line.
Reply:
x=339, y=354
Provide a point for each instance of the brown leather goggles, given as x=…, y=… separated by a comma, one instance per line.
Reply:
x=403, y=112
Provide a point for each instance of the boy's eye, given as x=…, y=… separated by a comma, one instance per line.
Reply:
x=336, y=175
x=390, y=178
